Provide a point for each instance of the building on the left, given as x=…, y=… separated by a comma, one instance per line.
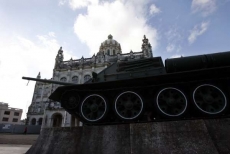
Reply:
x=9, y=115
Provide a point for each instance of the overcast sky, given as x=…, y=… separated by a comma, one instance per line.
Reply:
x=32, y=31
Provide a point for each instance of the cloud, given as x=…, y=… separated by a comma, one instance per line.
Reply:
x=154, y=10
x=205, y=7
x=52, y=34
x=174, y=39
x=62, y=2
x=125, y=20
x=170, y=47
x=76, y=4
x=197, y=31
x=19, y=57
x=173, y=35
x=177, y=56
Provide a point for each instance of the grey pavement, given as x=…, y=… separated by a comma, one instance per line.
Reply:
x=13, y=148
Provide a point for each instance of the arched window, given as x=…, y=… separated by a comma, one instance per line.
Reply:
x=57, y=119
x=63, y=79
x=108, y=51
x=87, y=77
x=33, y=121
x=75, y=79
x=113, y=52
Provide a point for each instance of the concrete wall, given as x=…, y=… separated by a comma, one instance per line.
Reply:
x=175, y=137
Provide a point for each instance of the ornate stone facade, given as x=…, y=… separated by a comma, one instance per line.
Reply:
x=76, y=71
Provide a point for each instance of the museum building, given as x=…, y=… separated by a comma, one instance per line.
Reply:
x=48, y=113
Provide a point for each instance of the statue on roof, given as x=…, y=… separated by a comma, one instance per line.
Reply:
x=60, y=51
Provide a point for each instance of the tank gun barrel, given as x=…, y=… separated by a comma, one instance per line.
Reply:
x=49, y=81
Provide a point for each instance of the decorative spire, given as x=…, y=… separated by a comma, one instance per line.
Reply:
x=39, y=76
x=60, y=56
x=59, y=59
x=82, y=60
x=146, y=47
x=145, y=40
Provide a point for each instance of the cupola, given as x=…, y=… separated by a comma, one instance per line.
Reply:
x=110, y=47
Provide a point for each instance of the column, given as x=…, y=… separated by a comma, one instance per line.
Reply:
x=72, y=124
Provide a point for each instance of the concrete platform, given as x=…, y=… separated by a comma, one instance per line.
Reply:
x=175, y=137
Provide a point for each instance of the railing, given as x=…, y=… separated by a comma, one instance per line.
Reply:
x=102, y=58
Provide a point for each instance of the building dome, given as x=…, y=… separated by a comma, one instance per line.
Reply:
x=110, y=46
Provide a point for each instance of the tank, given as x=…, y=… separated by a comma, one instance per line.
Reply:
x=146, y=90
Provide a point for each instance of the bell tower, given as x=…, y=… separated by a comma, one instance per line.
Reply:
x=59, y=58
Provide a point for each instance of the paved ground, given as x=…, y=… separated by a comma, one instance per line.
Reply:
x=13, y=148
x=16, y=143
x=17, y=139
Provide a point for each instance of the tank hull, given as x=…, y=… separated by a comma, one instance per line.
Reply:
x=148, y=90
x=186, y=88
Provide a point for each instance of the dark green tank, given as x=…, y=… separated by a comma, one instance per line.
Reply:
x=145, y=90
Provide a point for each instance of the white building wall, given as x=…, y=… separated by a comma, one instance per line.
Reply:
x=9, y=115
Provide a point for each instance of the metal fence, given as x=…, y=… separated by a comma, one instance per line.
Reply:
x=19, y=129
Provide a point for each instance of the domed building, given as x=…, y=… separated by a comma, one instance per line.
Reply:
x=110, y=47
x=48, y=113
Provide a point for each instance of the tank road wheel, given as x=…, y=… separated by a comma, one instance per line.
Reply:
x=209, y=99
x=70, y=99
x=93, y=108
x=128, y=105
x=171, y=102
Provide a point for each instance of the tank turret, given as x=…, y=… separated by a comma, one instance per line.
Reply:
x=145, y=90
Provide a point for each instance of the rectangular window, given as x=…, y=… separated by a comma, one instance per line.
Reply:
x=7, y=112
x=5, y=119
x=16, y=113
x=15, y=120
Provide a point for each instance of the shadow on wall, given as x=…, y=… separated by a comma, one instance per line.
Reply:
x=19, y=129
